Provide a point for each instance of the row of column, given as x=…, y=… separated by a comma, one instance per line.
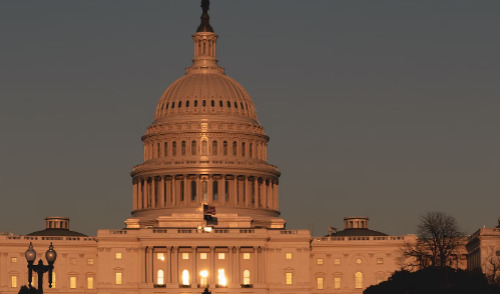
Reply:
x=192, y=190
x=173, y=265
x=160, y=149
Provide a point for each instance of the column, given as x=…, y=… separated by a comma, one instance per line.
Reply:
x=153, y=192
x=213, y=273
x=161, y=191
x=173, y=192
x=195, y=275
x=144, y=193
x=255, y=267
x=222, y=190
x=247, y=192
x=210, y=190
x=143, y=264
x=134, y=191
x=233, y=196
x=276, y=191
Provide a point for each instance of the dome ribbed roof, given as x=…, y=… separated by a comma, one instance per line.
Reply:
x=205, y=93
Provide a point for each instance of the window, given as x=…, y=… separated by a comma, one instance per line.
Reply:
x=221, y=278
x=235, y=147
x=359, y=261
x=250, y=150
x=358, y=280
x=53, y=279
x=90, y=282
x=174, y=148
x=90, y=261
x=185, y=255
x=204, y=195
x=193, y=190
x=187, y=103
x=203, y=278
x=220, y=103
x=72, y=283
x=179, y=104
x=118, y=278
x=13, y=281
x=72, y=261
x=183, y=148
x=214, y=147
x=215, y=191
x=160, y=256
x=203, y=256
x=246, y=277
x=319, y=261
x=160, y=277
x=204, y=147
x=182, y=190
x=319, y=283
x=204, y=103
x=221, y=256
x=380, y=260
x=243, y=148
x=337, y=282
x=288, y=255
x=193, y=148
x=165, y=149
x=288, y=278
x=185, y=277
x=224, y=147
x=13, y=259
x=212, y=103
x=246, y=255
x=336, y=261
x=118, y=255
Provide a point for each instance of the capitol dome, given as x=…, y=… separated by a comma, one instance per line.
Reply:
x=205, y=148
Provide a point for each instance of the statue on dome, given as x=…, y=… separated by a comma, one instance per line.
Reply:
x=204, y=5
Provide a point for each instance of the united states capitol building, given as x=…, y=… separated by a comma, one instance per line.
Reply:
x=206, y=211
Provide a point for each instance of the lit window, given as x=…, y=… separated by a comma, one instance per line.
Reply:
x=203, y=277
x=90, y=261
x=380, y=260
x=203, y=256
x=160, y=256
x=72, y=282
x=53, y=279
x=246, y=255
x=221, y=256
x=160, y=277
x=72, y=261
x=359, y=261
x=13, y=259
x=288, y=278
x=319, y=261
x=288, y=256
x=90, y=282
x=319, y=283
x=13, y=281
x=185, y=255
x=337, y=283
x=336, y=261
x=358, y=280
x=185, y=277
x=222, y=280
x=118, y=278
x=246, y=277
x=118, y=255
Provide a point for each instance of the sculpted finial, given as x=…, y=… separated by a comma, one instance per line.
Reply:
x=205, y=5
x=205, y=19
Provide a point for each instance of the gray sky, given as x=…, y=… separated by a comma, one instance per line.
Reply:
x=386, y=109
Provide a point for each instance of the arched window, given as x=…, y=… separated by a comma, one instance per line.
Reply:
x=183, y=148
x=246, y=277
x=224, y=147
x=214, y=147
x=235, y=105
x=215, y=191
x=160, y=280
x=185, y=277
x=158, y=150
x=235, y=148
x=228, y=104
x=250, y=150
x=204, y=196
x=179, y=104
x=195, y=103
x=165, y=149
x=193, y=148
x=204, y=147
x=174, y=148
x=187, y=103
x=193, y=190
x=358, y=280
x=220, y=103
x=173, y=104
x=204, y=103
x=243, y=148
x=212, y=103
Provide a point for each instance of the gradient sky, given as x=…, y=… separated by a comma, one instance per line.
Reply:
x=385, y=109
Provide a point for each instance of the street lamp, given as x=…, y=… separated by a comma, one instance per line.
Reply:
x=40, y=268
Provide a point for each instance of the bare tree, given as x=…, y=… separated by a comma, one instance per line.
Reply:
x=438, y=238
x=491, y=266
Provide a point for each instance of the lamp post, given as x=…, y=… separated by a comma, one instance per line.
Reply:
x=40, y=268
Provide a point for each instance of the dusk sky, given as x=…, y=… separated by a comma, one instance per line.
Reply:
x=385, y=109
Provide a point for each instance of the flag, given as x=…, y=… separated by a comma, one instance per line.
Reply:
x=208, y=209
